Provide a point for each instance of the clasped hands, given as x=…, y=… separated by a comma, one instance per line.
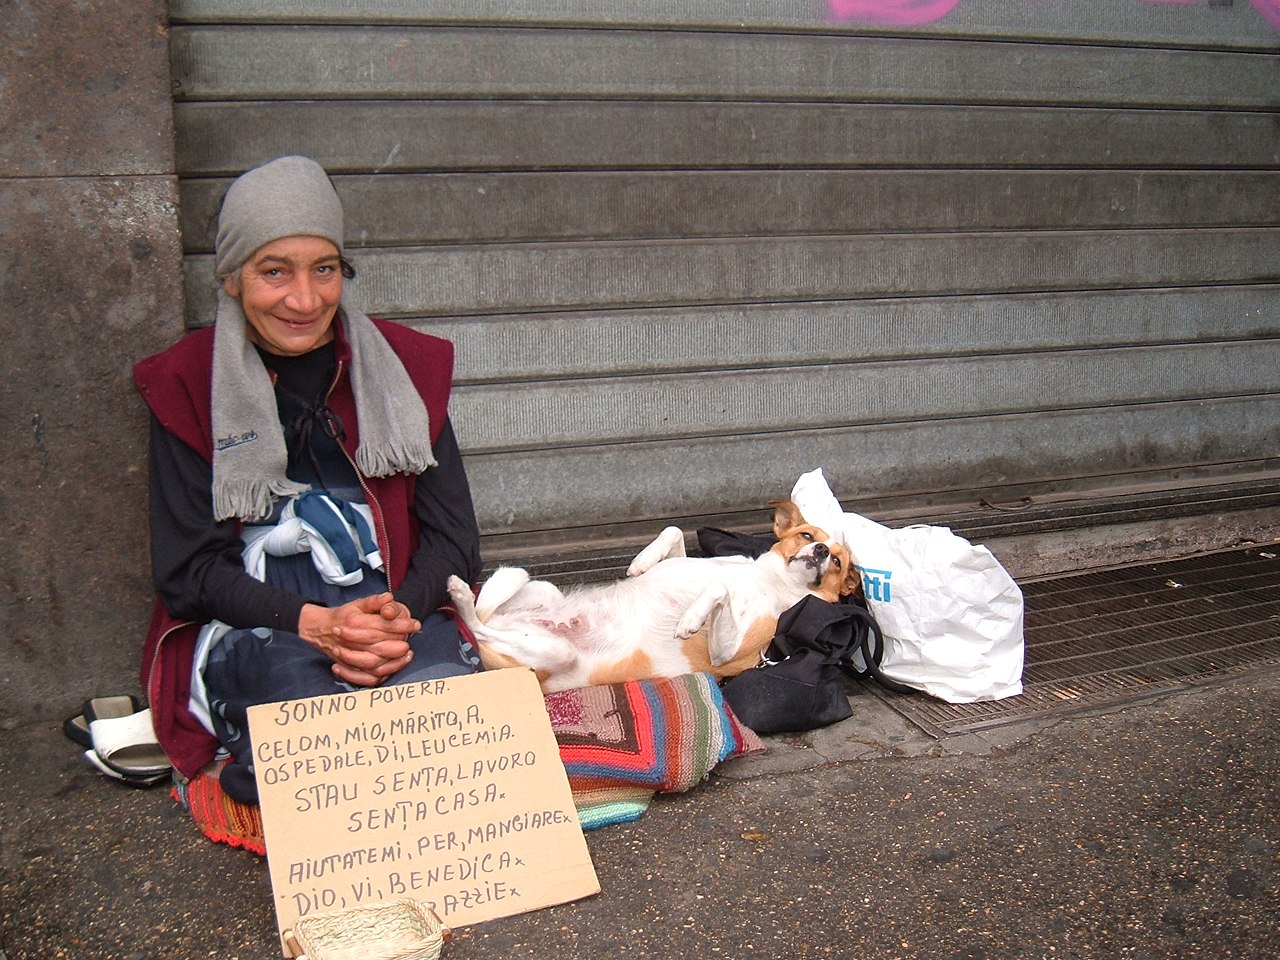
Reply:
x=367, y=639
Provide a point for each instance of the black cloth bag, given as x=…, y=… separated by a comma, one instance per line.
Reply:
x=798, y=686
x=714, y=542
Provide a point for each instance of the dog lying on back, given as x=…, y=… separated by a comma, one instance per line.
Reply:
x=674, y=614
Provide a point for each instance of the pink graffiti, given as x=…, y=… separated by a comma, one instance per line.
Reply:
x=892, y=11
x=1270, y=9
x=907, y=12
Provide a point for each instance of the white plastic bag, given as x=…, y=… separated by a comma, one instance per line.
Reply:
x=951, y=615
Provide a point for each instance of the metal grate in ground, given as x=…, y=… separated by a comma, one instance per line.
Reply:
x=1106, y=637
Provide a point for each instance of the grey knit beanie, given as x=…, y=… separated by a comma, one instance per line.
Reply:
x=288, y=197
x=292, y=197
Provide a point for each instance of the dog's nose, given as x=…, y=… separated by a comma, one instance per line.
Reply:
x=821, y=550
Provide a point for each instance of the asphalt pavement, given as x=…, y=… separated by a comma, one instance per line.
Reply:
x=1150, y=831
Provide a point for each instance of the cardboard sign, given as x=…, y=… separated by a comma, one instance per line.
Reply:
x=450, y=792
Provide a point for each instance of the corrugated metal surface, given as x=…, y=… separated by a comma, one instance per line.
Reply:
x=586, y=204
x=359, y=62
x=1083, y=22
x=690, y=250
x=1097, y=639
x=395, y=136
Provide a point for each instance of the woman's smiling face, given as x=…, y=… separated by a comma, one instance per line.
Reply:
x=289, y=290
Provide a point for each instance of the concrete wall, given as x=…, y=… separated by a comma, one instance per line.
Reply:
x=90, y=282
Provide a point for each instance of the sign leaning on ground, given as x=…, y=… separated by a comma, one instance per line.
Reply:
x=450, y=792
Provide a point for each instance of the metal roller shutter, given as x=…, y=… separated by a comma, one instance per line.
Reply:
x=690, y=250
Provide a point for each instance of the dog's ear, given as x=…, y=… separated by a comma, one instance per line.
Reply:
x=786, y=516
x=852, y=581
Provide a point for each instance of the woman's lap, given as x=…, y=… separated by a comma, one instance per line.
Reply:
x=250, y=667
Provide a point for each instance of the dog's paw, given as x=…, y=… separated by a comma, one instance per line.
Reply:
x=689, y=624
x=644, y=561
x=460, y=593
x=669, y=543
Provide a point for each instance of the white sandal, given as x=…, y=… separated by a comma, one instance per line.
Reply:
x=125, y=746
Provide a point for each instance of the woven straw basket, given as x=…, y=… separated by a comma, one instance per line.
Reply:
x=395, y=930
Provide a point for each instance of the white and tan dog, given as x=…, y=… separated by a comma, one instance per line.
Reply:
x=673, y=614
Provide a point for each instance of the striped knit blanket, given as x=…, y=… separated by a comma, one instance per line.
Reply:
x=620, y=745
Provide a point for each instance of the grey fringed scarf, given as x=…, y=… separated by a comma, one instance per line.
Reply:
x=290, y=197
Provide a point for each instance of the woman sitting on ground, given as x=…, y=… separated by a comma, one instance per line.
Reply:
x=308, y=499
